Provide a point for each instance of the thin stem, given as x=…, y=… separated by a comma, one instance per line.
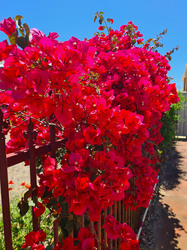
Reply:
x=106, y=26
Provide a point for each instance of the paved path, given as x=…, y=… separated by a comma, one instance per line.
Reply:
x=166, y=228
x=18, y=174
x=175, y=196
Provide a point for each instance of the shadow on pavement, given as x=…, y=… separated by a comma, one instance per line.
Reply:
x=162, y=229
x=172, y=172
x=167, y=228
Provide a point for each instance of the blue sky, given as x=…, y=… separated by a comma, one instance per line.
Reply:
x=75, y=18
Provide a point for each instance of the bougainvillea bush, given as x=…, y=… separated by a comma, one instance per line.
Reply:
x=105, y=96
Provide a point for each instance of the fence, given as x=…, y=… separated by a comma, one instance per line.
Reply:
x=181, y=126
x=31, y=154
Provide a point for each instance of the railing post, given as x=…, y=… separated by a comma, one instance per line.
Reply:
x=105, y=234
x=4, y=188
x=116, y=217
x=99, y=232
x=53, y=155
x=110, y=241
x=32, y=157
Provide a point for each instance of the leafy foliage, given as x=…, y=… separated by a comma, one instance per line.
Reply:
x=169, y=121
x=22, y=225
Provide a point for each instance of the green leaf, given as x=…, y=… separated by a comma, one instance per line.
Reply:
x=18, y=17
x=23, y=207
x=35, y=200
x=100, y=20
x=28, y=194
x=62, y=225
x=26, y=27
x=18, y=21
x=46, y=193
x=95, y=18
x=23, y=41
x=96, y=33
x=13, y=37
x=149, y=40
x=52, y=202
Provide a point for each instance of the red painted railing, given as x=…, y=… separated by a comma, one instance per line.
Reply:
x=33, y=151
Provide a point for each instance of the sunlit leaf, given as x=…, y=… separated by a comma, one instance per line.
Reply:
x=26, y=27
x=149, y=40
x=13, y=37
x=18, y=17
x=28, y=194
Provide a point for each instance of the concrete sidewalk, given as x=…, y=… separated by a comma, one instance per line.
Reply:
x=18, y=173
x=167, y=219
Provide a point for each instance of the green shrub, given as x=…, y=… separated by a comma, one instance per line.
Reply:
x=21, y=225
x=169, y=121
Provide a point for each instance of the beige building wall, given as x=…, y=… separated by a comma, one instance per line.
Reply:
x=184, y=79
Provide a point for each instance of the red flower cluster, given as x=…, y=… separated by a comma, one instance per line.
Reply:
x=85, y=241
x=33, y=239
x=116, y=230
x=106, y=96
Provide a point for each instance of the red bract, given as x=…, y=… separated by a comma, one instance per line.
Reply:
x=92, y=135
x=32, y=239
x=112, y=227
x=39, y=210
x=117, y=230
x=8, y=26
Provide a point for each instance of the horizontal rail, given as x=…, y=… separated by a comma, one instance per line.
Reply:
x=23, y=155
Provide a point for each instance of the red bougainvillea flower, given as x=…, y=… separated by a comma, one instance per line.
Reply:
x=68, y=243
x=86, y=239
x=39, y=210
x=8, y=26
x=59, y=246
x=101, y=28
x=92, y=135
x=105, y=97
x=111, y=21
x=32, y=238
x=112, y=227
x=117, y=230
